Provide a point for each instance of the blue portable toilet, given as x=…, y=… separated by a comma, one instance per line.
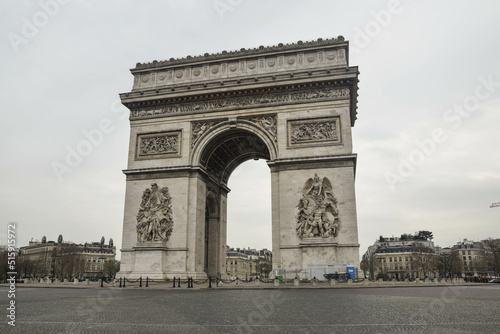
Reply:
x=350, y=271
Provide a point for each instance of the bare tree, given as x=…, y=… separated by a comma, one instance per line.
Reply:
x=4, y=266
x=68, y=262
x=480, y=264
x=111, y=267
x=493, y=255
x=264, y=267
x=368, y=264
x=25, y=266
x=449, y=264
x=424, y=260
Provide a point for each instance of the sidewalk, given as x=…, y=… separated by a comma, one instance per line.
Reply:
x=241, y=285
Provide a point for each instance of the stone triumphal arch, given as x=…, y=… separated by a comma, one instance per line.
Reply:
x=194, y=120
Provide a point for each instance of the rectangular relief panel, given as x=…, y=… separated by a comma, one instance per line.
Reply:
x=158, y=145
x=314, y=131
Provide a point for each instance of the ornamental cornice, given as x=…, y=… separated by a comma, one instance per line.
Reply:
x=242, y=52
x=309, y=56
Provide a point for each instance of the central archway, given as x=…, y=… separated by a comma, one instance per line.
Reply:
x=219, y=155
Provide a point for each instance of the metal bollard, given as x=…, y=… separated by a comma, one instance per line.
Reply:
x=120, y=282
x=140, y=282
x=179, y=282
x=124, y=280
x=174, y=283
x=209, y=282
x=102, y=280
x=147, y=281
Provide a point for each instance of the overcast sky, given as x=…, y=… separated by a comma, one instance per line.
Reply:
x=427, y=134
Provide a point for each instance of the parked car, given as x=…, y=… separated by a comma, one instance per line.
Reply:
x=494, y=280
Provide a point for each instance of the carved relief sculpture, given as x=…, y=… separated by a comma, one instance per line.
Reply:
x=314, y=131
x=198, y=129
x=157, y=145
x=154, y=219
x=268, y=123
x=318, y=213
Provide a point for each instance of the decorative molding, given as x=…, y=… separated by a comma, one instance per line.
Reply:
x=154, y=219
x=318, y=213
x=242, y=101
x=318, y=131
x=268, y=123
x=158, y=145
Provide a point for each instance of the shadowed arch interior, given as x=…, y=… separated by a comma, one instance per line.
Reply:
x=230, y=149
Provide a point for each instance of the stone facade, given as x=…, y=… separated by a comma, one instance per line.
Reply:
x=401, y=258
x=88, y=259
x=194, y=120
x=247, y=264
x=474, y=257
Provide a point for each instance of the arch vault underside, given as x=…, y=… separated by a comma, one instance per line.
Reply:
x=194, y=120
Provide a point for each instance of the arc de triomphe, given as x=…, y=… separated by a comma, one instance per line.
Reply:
x=194, y=120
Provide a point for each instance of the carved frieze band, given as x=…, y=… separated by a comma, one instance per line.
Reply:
x=316, y=131
x=158, y=145
x=243, y=101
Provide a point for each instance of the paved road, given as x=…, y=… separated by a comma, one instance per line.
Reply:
x=460, y=309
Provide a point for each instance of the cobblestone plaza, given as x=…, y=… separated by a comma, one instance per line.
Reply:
x=450, y=309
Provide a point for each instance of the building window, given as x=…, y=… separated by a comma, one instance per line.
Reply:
x=406, y=258
x=468, y=252
x=470, y=258
x=400, y=259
